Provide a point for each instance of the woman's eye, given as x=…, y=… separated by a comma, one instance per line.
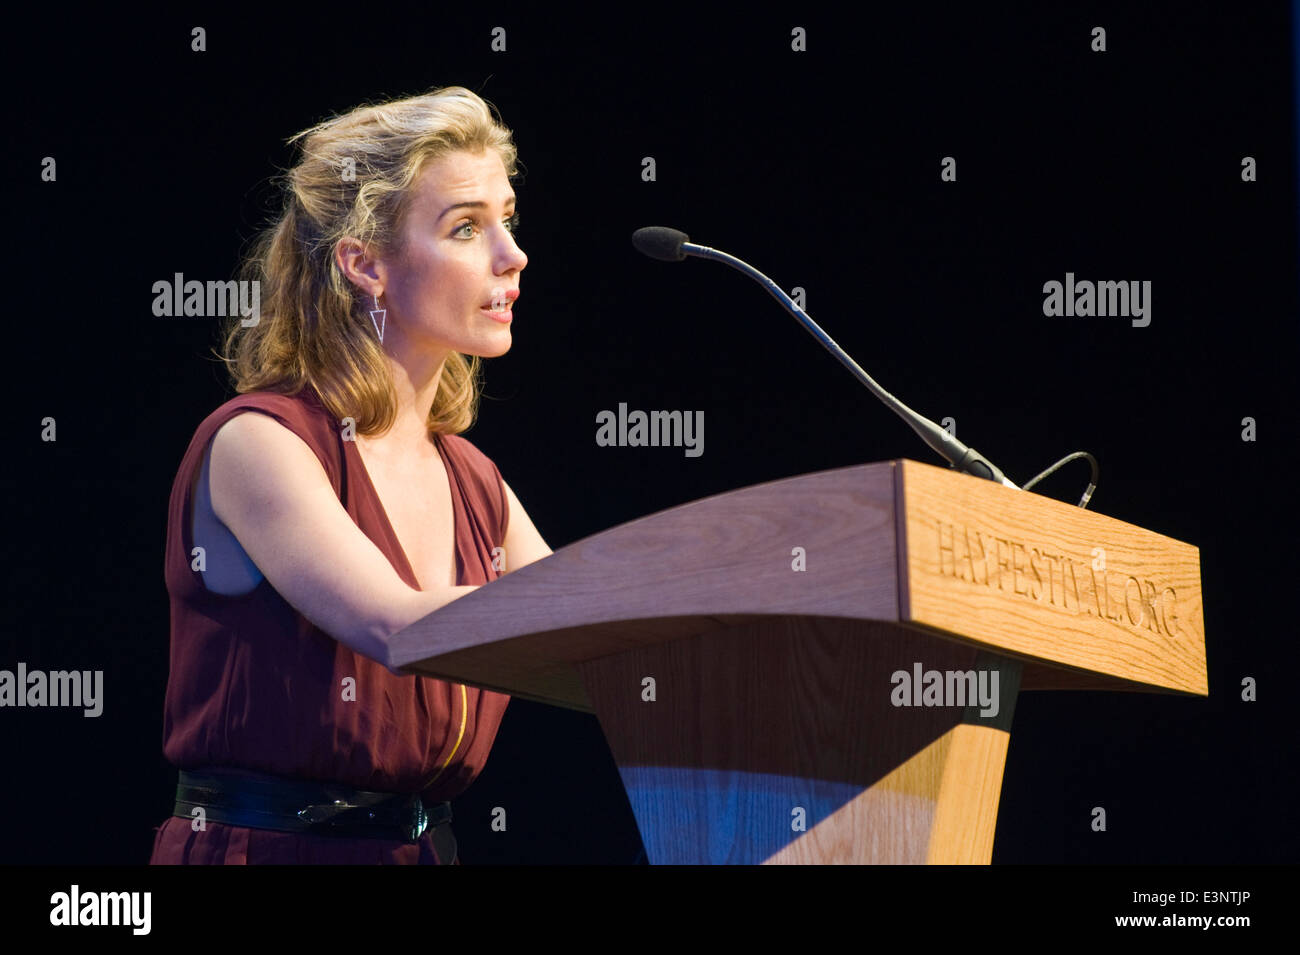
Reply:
x=512, y=223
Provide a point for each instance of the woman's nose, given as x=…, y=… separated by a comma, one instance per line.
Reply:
x=514, y=256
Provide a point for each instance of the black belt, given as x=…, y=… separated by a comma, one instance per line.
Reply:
x=294, y=805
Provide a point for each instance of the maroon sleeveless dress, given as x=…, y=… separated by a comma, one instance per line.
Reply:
x=256, y=687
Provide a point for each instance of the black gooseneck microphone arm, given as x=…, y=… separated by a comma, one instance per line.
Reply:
x=670, y=245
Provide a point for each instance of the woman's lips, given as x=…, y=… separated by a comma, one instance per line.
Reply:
x=499, y=307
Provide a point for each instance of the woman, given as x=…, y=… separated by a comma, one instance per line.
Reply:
x=334, y=502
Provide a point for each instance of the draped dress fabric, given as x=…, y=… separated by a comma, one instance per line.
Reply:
x=256, y=687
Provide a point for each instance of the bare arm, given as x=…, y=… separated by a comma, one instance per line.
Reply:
x=270, y=490
x=523, y=543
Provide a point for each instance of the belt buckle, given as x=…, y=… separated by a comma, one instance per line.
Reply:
x=421, y=820
x=313, y=815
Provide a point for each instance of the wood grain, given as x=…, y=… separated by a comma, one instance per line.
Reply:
x=755, y=722
x=708, y=564
x=769, y=622
x=938, y=808
x=1073, y=614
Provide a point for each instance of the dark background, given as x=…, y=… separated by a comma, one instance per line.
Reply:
x=819, y=168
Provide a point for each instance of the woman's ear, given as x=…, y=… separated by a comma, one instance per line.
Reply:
x=360, y=265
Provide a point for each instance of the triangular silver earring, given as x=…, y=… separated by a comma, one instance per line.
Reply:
x=381, y=321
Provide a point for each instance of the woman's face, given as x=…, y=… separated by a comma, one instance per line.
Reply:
x=458, y=256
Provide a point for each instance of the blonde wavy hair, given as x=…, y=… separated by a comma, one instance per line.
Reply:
x=354, y=178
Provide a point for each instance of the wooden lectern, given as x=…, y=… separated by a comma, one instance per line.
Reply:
x=824, y=668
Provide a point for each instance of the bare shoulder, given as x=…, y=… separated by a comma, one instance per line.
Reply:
x=252, y=426
x=254, y=457
x=273, y=493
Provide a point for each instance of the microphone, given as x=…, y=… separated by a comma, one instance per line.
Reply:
x=670, y=245
x=661, y=243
